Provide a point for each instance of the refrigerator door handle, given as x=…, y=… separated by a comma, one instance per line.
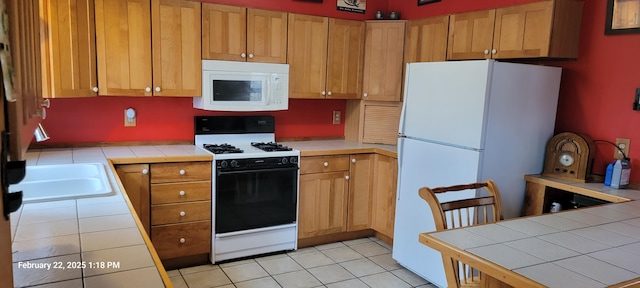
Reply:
x=400, y=152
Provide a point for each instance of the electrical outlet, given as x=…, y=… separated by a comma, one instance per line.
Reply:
x=337, y=117
x=130, y=117
x=623, y=143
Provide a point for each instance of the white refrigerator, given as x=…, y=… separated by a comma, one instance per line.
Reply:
x=465, y=122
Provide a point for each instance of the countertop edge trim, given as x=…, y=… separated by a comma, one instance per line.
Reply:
x=349, y=151
x=160, y=159
x=154, y=255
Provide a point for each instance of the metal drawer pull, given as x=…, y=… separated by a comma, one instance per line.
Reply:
x=326, y=164
x=182, y=172
x=182, y=240
x=181, y=193
x=182, y=213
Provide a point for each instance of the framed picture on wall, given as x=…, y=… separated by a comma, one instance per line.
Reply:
x=422, y=2
x=623, y=17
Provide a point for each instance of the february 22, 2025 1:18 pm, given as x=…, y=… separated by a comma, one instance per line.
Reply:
x=70, y=265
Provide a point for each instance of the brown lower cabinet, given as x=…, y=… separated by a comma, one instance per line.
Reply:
x=177, y=240
x=385, y=179
x=173, y=202
x=346, y=193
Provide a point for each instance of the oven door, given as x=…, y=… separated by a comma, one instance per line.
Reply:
x=255, y=198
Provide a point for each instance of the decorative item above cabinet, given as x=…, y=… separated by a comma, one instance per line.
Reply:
x=243, y=34
x=546, y=29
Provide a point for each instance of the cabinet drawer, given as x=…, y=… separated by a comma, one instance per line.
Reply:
x=180, y=171
x=178, y=240
x=179, y=213
x=322, y=164
x=180, y=192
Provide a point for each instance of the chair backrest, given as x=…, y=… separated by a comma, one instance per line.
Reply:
x=462, y=213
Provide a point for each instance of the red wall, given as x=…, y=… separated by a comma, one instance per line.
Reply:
x=101, y=119
x=597, y=89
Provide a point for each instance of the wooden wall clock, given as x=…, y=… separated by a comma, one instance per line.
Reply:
x=569, y=156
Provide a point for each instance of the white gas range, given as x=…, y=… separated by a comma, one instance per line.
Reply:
x=254, y=186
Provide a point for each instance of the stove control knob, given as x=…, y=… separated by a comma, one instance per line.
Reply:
x=284, y=160
x=234, y=163
x=293, y=160
x=224, y=164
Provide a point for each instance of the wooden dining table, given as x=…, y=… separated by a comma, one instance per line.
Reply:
x=590, y=247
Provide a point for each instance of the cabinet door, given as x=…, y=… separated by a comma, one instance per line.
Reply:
x=135, y=180
x=384, y=194
x=177, y=60
x=523, y=31
x=383, y=51
x=266, y=36
x=70, y=57
x=123, y=46
x=426, y=40
x=344, y=60
x=307, y=55
x=24, y=42
x=360, y=192
x=471, y=35
x=323, y=204
x=224, y=32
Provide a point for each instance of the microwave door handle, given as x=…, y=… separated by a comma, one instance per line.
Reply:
x=268, y=94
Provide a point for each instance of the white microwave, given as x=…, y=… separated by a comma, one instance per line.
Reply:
x=243, y=86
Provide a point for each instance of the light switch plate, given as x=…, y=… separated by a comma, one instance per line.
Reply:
x=337, y=117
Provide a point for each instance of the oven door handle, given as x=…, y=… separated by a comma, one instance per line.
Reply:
x=257, y=170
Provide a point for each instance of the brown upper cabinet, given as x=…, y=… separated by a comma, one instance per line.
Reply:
x=325, y=57
x=547, y=29
x=69, y=50
x=243, y=34
x=426, y=39
x=133, y=61
x=383, y=60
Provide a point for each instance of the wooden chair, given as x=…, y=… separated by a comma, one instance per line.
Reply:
x=462, y=213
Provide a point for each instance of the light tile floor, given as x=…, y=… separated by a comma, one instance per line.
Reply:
x=364, y=262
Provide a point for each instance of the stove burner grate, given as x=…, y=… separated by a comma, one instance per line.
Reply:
x=270, y=147
x=222, y=148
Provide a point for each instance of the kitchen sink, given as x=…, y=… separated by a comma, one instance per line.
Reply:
x=65, y=181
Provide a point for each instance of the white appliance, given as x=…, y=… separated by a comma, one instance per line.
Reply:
x=243, y=86
x=254, y=185
x=464, y=122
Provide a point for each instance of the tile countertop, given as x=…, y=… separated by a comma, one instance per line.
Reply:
x=103, y=231
x=335, y=147
x=99, y=233
x=589, y=247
